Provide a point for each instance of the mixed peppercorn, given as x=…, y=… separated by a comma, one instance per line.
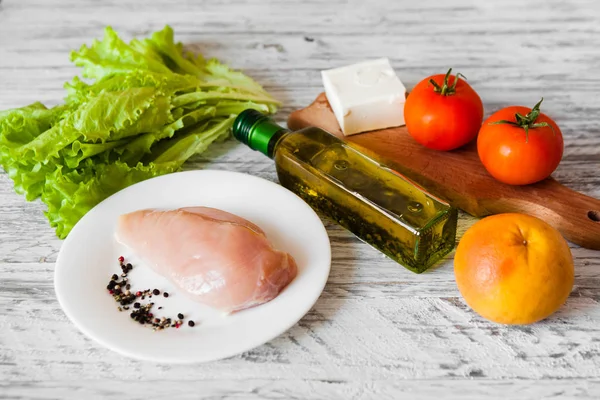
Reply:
x=141, y=313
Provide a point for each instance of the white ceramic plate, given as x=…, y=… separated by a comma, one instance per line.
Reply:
x=88, y=258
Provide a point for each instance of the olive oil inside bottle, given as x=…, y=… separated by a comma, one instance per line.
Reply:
x=361, y=194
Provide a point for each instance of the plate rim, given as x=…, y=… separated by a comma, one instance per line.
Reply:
x=64, y=305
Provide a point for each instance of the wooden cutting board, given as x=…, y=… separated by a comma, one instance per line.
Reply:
x=459, y=177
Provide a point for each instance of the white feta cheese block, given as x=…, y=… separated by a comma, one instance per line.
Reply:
x=365, y=96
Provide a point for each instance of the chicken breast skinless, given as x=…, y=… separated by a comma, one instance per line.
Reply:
x=216, y=258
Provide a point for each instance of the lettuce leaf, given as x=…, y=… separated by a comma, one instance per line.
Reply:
x=147, y=107
x=166, y=84
x=235, y=78
x=162, y=43
x=28, y=177
x=78, y=151
x=112, y=55
x=194, y=142
x=17, y=128
x=106, y=117
x=70, y=194
x=141, y=145
x=218, y=96
x=118, y=115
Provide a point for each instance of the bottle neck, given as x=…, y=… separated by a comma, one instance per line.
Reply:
x=258, y=131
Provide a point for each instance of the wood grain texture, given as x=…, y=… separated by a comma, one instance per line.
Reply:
x=378, y=331
x=459, y=177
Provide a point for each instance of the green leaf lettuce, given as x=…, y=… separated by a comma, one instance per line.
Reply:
x=146, y=107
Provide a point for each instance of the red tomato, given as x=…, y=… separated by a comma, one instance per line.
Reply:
x=525, y=148
x=445, y=115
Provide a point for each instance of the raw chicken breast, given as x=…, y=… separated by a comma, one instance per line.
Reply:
x=217, y=258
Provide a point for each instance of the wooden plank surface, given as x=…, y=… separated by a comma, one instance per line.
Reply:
x=460, y=178
x=378, y=331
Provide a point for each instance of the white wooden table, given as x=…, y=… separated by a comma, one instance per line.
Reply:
x=378, y=331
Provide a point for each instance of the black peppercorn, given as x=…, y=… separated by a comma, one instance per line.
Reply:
x=191, y=323
x=156, y=292
x=180, y=316
x=136, y=305
x=166, y=294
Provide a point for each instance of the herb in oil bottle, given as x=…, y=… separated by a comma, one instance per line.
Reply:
x=361, y=194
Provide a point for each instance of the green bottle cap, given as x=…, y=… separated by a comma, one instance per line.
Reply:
x=256, y=130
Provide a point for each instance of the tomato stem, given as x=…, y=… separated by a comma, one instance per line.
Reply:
x=527, y=121
x=446, y=89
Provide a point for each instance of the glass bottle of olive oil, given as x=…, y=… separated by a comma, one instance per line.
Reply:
x=369, y=199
